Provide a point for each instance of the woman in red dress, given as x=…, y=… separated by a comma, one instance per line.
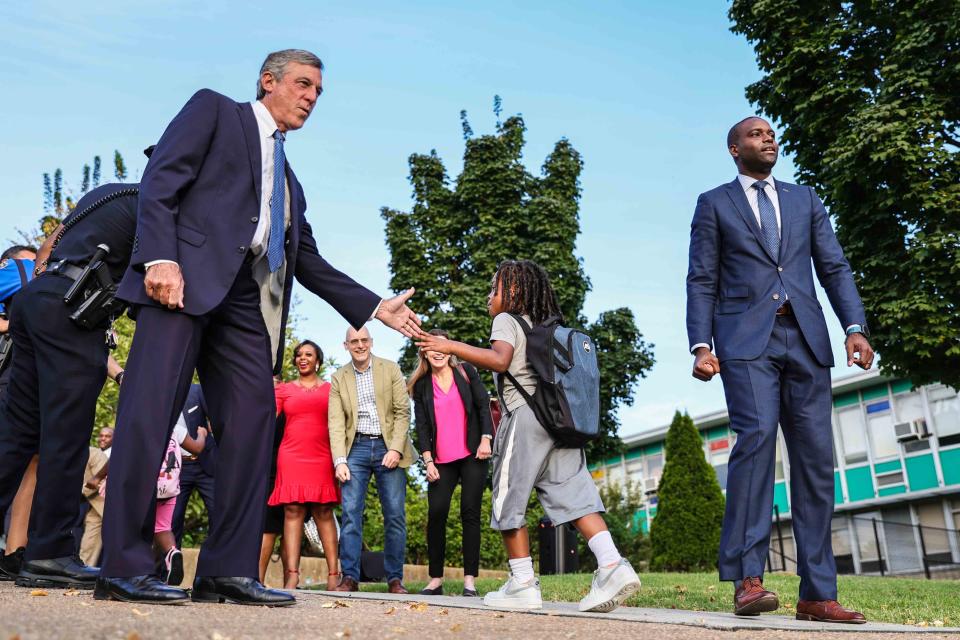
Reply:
x=305, y=479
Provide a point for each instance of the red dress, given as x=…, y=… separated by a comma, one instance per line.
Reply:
x=304, y=462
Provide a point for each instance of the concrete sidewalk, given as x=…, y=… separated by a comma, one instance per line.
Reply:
x=702, y=619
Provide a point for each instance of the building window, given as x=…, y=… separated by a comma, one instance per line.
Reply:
x=852, y=434
x=903, y=553
x=909, y=407
x=882, y=436
x=889, y=479
x=654, y=467
x=867, y=541
x=842, y=552
x=615, y=474
x=935, y=535
x=778, y=463
x=635, y=471
x=945, y=408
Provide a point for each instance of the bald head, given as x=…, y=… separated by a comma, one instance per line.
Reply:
x=359, y=344
x=753, y=146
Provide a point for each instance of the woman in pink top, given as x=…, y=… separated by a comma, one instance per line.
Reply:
x=454, y=430
x=305, y=482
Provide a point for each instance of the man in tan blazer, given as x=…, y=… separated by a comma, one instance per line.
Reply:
x=91, y=544
x=369, y=421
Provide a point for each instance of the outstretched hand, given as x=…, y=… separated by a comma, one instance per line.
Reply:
x=397, y=315
x=430, y=342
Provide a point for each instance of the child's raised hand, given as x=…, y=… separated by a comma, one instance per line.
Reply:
x=428, y=342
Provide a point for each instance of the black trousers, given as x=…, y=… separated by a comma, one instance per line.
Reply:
x=230, y=349
x=56, y=374
x=192, y=477
x=471, y=474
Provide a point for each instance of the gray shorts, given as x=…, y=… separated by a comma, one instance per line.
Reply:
x=525, y=458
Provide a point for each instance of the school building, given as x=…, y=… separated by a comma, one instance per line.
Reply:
x=897, y=470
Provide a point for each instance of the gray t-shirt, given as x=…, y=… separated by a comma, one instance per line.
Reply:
x=508, y=330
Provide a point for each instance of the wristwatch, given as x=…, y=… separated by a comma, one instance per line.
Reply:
x=858, y=328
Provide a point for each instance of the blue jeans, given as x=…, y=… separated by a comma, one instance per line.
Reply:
x=364, y=459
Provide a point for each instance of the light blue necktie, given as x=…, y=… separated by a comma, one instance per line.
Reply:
x=771, y=234
x=275, y=243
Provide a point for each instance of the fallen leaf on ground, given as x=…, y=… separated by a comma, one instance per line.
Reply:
x=938, y=623
x=456, y=627
x=390, y=611
x=712, y=587
x=418, y=606
x=343, y=634
x=72, y=592
x=38, y=592
x=444, y=612
x=85, y=604
x=681, y=588
x=133, y=635
x=143, y=614
x=399, y=630
x=335, y=604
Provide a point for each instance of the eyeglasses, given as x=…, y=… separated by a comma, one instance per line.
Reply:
x=356, y=342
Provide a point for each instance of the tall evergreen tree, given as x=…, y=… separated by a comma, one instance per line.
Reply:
x=450, y=243
x=685, y=534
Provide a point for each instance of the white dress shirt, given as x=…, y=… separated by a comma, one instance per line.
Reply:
x=267, y=126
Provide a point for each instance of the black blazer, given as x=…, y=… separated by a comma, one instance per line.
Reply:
x=476, y=404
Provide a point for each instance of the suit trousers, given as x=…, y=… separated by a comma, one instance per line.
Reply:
x=230, y=349
x=192, y=477
x=471, y=475
x=786, y=386
x=57, y=371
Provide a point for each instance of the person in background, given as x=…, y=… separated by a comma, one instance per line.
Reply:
x=454, y=432
x=168, y=491
x=198, y=471
x=105, y=440
x=305, y=482
x=91, y=544
x=369, y=423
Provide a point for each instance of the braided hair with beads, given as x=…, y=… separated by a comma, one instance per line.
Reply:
x=525, y=289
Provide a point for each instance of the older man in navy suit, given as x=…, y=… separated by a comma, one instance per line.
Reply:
x=751, y=297
x=221, y=233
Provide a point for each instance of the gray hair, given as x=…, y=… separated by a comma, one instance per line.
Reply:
x=276, y=64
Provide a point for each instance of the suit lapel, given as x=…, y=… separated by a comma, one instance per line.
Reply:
x=352, y=391
x=739, y=198
x=785, y=199
x=380, y=395
x=252, y=135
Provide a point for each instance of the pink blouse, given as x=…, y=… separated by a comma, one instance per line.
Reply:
x=451, y=424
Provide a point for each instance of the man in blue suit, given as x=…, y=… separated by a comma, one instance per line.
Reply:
x=198, y=471
x=751, y=298
x=221, y=233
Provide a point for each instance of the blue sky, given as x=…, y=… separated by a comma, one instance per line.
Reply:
x=645, y=91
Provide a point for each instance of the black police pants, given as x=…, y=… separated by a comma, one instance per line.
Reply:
x=56, y=375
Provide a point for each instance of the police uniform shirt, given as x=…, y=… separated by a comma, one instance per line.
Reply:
x=113, y=223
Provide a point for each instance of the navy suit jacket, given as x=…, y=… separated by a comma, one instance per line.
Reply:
x=732, y=276
x=195, y=416
x=199, y=205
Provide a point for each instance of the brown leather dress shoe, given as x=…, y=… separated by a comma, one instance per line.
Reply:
x=347, y=584
x=827, y=611
x=751, y=599
x=396, y=586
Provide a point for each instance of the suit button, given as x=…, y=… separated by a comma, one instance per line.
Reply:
x=776, y=296
x=779, y=268
x=241, y=249
x=254, y=219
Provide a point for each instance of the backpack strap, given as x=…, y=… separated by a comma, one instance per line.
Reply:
x=22, y=270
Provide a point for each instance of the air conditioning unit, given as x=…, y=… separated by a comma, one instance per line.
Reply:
x=913, y=430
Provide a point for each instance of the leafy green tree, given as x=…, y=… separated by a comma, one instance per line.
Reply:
x=449, y=245
x=866, y=94
x=685, y=535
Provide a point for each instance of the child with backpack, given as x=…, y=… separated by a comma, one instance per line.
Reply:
x=539, y=442
x=168, y=488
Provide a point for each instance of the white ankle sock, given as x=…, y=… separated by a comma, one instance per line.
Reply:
x=604, y=549
x=522, y=569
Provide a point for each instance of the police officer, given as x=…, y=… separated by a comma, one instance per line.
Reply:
x=57, y=371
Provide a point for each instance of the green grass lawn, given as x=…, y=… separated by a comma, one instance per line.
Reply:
x=899, y=600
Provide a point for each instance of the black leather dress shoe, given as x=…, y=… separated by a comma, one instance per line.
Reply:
x=239, y=591
x=68, y=572
x=10, y=564
x=142, y=589
x=432, y=592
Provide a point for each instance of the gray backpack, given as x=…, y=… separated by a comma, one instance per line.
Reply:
x=566, y=401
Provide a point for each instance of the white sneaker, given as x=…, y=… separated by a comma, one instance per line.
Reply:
x=611, y=587
x=516, y=595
